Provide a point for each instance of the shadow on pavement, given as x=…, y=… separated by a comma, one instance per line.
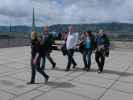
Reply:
x=106, y=71
x=125, y=74
x=60, y=84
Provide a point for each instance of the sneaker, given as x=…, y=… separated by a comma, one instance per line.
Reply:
x=29, y=83
x=42, y=68
x=54, y=65
x=98, y=71
x=67, y=70
x=74, y=66
x=87, y=69
x=46, y=80
x=84, y=68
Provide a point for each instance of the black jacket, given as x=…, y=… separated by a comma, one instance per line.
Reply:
x=35, y=47
x=47, y=43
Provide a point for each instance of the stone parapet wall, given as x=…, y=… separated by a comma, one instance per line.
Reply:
x=122, y=44
x=4, y=43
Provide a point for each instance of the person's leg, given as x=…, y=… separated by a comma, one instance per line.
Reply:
x=102, y=61
x=69, y=60
x=50, y=59
x=73, y=61
x=102, y=58
x=89, y=59
x=97, y=58
x=33, y=72
x=84, y=59
x=43, y=60
x=40, y=70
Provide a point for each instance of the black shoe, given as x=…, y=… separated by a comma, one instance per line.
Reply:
x=87, y=69
x=29, y=83
x=84, y=68
x=74, y=66
x=46, y=80
x=54, y=65
x=67, y=70
x=42, y=68
x=99, y=71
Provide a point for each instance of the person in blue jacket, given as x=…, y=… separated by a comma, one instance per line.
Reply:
x=102, y=49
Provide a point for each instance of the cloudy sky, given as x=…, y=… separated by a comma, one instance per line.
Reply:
x=19, y=12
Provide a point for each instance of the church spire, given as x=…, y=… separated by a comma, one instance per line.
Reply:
x=33, y=21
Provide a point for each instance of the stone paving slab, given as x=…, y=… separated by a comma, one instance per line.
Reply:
x=59, y=95
x=124, y=87
x=115, y=83
x=115, y=95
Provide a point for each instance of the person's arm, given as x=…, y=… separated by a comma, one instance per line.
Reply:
x=75, y=38
x=80, y=42
x=35, y=59
x=95, y=43
x=107, y=41
x=37, y=53
x=41, y=39
x=52, y=39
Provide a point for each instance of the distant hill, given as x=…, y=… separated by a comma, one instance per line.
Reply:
x=109, y=27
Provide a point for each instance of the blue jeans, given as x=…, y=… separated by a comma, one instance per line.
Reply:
x=87, y=57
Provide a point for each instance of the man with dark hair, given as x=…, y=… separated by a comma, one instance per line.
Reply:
x=46, y=42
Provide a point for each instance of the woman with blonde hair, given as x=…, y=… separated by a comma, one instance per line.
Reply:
x=35, y=58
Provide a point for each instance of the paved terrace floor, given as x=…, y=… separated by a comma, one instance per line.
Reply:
x=115, y=83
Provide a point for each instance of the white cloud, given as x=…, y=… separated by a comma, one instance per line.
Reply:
x=65, y=11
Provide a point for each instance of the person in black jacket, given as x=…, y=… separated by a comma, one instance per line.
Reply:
x=102, y=49
x=46, y=41
x=36, y=52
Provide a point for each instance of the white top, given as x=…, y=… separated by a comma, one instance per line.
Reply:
x=72, y=40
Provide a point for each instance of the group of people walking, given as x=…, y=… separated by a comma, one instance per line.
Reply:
x=86, y=43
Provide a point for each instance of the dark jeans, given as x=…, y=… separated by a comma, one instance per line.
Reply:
x=71, y=60
x=100, y=59
x=36, y=67
x=47, y=55
x=87, y=57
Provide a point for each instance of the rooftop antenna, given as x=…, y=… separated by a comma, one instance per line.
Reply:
x=33, y=21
